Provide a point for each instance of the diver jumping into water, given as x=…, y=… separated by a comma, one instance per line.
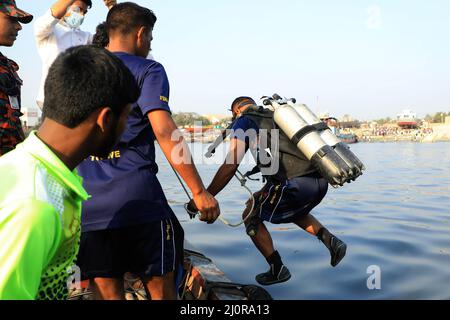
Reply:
x=288, y=196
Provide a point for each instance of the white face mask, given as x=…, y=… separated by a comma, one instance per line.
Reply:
x=75, y=19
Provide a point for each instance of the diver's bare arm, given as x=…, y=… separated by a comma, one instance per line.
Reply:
x=229, y=167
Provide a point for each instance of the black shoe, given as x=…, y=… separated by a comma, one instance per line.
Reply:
x=268, y=278
x=337, y=250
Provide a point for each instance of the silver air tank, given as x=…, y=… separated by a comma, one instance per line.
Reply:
x=355, y=165
x=309, y=142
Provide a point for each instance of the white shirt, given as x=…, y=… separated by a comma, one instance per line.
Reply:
x=53, y=37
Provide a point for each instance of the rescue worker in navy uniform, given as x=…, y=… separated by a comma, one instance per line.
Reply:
x=288, y=196
x=11, y=132
x=128, y=225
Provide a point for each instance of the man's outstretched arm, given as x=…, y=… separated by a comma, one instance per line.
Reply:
x=226, y=172
x=177, y=153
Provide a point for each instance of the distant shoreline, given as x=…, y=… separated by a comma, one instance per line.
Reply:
x=434, y=133
x=396, y=140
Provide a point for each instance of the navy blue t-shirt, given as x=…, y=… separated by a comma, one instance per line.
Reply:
x=244, y=129
x=124, y=188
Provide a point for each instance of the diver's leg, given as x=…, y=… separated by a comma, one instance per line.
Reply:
x=251, y=220
x=278, y=272
x=308, y=223
x=261, y=237
x=246, y=212
x=336, y=246
x=263, y=241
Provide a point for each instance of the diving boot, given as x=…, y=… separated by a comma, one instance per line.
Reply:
x=338, y=248
x=268, y=278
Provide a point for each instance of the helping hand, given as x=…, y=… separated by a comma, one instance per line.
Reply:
x=207, y=205
x=191, y=209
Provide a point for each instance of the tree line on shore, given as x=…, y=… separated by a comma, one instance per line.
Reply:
x=438, y=117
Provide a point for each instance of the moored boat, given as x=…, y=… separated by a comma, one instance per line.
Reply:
x=333, y=123
x=407, y=120
x=348, y=138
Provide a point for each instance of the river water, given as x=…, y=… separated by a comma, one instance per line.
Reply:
x=395, y=220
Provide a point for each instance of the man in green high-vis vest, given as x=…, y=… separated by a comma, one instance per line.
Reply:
x=89, y=93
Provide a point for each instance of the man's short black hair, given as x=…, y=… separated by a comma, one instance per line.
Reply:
x=126, y=17
x=101, y=38
x=84, y=79
x=88, y=3
x=242, y=101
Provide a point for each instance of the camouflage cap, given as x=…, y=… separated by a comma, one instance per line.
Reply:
x=9, y=7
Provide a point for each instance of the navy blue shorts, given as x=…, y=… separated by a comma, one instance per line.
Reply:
x=146, y=250
x=283, y=202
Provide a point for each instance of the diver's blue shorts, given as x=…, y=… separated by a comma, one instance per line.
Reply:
x=282, y=203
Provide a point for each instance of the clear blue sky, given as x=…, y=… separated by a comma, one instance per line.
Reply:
x=369, y=59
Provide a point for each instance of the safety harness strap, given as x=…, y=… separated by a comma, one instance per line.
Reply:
x=301, y=133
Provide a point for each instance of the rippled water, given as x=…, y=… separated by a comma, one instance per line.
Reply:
x=396, y=216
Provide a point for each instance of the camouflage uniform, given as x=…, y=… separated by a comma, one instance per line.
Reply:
x=11, y=132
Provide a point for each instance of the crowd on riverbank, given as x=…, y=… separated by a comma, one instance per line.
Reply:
x=394, y=134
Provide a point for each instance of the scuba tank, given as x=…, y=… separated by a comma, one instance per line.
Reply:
x=343, y=151
x=323, y=157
